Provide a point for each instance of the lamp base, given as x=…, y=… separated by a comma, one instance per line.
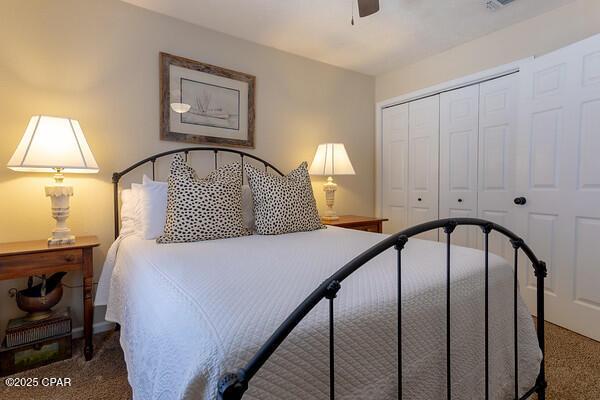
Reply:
x=330, y=187
x=59, y=195
x=330, y=218
x=52, y=241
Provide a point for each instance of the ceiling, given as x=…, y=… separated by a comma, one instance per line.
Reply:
x=403, y=32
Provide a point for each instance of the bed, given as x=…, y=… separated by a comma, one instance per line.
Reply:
x=192, y=312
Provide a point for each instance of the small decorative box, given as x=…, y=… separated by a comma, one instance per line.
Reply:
x=22, y=331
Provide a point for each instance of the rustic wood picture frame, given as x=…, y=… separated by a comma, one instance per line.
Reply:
x=166, y=60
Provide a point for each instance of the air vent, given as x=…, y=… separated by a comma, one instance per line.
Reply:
x=496, y=4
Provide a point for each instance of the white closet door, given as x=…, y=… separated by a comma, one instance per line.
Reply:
x=423, y=132
x=497, y=134
x=395, y=167
x=559, y=175
x=459, y=125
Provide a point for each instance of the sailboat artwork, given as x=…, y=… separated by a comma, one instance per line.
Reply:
x=203, y=103
x=211, y=105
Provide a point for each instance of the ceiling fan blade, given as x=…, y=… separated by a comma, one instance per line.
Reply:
x=367, y=7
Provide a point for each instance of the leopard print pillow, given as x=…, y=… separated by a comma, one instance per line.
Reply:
x=203, y=209
x=283, y=204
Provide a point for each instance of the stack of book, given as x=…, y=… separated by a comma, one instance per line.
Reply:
x=31, y=344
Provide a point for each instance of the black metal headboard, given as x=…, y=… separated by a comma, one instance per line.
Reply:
x=116, y=177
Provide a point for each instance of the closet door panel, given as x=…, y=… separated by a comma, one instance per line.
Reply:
x=559, y=174
x=395, y=167
x=543, y=178
x=459, y=117
x=498, y=243
x=423, y=132
x=496, y=148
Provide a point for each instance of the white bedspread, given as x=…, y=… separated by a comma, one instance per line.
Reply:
x=190, y=312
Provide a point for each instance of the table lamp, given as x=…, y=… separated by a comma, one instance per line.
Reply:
x=52, y=144
x=331, y=159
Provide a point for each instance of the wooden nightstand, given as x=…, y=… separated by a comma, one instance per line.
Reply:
x=23, y=259
x=358, y=223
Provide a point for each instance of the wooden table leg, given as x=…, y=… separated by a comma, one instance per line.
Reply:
x=88, y=306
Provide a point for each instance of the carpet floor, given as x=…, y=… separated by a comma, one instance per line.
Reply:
x=572, y=367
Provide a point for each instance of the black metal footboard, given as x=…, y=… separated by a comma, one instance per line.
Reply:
x=232, y=386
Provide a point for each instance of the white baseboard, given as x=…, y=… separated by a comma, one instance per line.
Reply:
x=98, y=327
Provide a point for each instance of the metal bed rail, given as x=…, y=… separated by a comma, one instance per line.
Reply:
x=232, y=386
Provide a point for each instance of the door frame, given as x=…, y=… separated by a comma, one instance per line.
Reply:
x=458, y=83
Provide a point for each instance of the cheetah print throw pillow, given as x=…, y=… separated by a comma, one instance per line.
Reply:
x=283, y=204
x=203, y=209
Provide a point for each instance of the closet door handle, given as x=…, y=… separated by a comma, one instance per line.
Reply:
x=460, y=200
x=419, y=199
x=520, y=201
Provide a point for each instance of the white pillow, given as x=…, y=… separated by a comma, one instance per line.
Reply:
x=152, y=208
x=136, y=191
x=129, y=204
x=248, y=208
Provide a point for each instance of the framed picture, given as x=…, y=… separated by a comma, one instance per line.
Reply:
x=203, y=103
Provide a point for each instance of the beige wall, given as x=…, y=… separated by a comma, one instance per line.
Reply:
x=97, y=61
x=535, y=36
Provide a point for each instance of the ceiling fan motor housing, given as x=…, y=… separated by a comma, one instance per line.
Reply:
x=367, y=7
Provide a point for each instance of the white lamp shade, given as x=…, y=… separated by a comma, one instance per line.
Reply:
x=50, y=143
x=331, y=159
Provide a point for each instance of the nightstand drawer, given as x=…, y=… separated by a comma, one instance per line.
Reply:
x=41, y=260
x=368, y=228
